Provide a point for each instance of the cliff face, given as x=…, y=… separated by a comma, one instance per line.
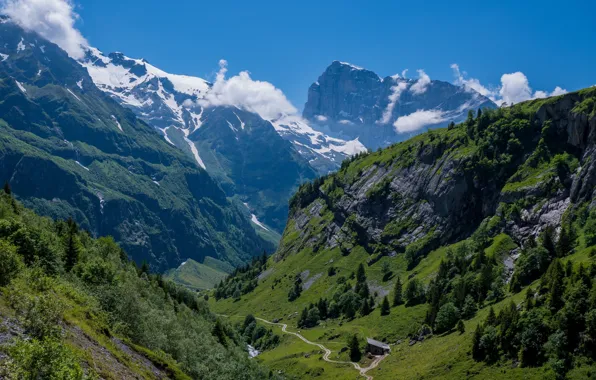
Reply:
x=351, y=102
x=514, y=170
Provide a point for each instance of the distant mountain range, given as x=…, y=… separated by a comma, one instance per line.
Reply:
x=262, y=161
x=257, y=160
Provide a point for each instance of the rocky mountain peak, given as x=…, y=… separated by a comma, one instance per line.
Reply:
x=351, y=102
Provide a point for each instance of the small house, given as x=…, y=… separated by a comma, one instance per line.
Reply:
x=377, y=348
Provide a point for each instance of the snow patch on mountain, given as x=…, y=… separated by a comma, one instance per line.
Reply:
x=21, y=46
x=23, y=90
x=4, y=57
x=117, y=123
x=73, y=94
x=193, y=149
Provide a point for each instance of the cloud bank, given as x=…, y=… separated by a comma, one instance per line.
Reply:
x=514, y=88
x=52, y=19
x=418, y=120
x=252, y=95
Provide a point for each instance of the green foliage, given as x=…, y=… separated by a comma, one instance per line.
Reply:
x=242, y=280
x=397, y=293
x=414, y=293
x=354, y=347
x=447, y=317
x=12, y=263
x=256, y=335
x=385, y=308
x=41, y=359
x=554, y=323
x=461, y=328
x=104, y=295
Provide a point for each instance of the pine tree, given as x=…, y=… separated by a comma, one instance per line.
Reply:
x=564, y=243
x=461, y=327
x=491, y=319
x=354, y=347
x=548, y=240
x=365, y=307
x=219, y=333
x=7, y=189
x=397, y=293
x=477, y=351
x=385, y=308
x=360, y=274
x=72, y=249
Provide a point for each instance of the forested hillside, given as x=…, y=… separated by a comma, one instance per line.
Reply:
x=468, y=249
x=74, y=307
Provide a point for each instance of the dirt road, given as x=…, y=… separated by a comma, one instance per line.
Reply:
x=327, y=351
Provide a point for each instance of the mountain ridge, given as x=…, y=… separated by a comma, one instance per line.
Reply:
x=104, y=167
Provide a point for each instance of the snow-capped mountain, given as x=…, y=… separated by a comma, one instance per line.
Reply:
x=172, y=104
x=239, y=148
x=70, y=150
x=350, y=102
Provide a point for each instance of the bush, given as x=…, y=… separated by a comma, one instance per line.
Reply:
x=11, y=262
x=447, y=317
x=41, y=359
x=414, y=293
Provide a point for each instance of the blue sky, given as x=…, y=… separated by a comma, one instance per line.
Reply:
x=290, y=43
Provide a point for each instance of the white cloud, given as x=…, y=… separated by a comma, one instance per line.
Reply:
x=244, y=92
x=404, y=73
x=321, y=118
x=393, y=99
x=418, y=120
x=514, y=88
x=472, y=83
x=421, y=84
x=52, y=19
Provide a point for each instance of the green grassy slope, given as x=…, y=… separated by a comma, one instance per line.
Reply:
x=520, y=166
x=199, y=276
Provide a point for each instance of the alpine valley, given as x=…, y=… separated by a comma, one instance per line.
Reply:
x=154, y=227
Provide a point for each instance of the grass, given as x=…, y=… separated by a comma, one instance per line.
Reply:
x=199, y=276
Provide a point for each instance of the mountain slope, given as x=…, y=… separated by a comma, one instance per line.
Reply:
x=71, y=151
x=351, y=102
x=498, y=209
x=74, y=307
x=199, y=276
x=253, y=163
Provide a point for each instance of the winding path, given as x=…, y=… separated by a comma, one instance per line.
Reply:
x=327, y=351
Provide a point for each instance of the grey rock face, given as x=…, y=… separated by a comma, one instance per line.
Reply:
x=351, y=102
x=437, y=198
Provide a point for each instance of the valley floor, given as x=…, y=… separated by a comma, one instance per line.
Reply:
x=445, y=356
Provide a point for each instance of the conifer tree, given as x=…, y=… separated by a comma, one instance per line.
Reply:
x=491, y=319
x=461, y=327
x=385, y=309
x=354, y=347
x=72, y=249
x=397, y=293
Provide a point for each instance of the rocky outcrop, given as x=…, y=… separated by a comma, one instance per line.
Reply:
x=439, y=187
